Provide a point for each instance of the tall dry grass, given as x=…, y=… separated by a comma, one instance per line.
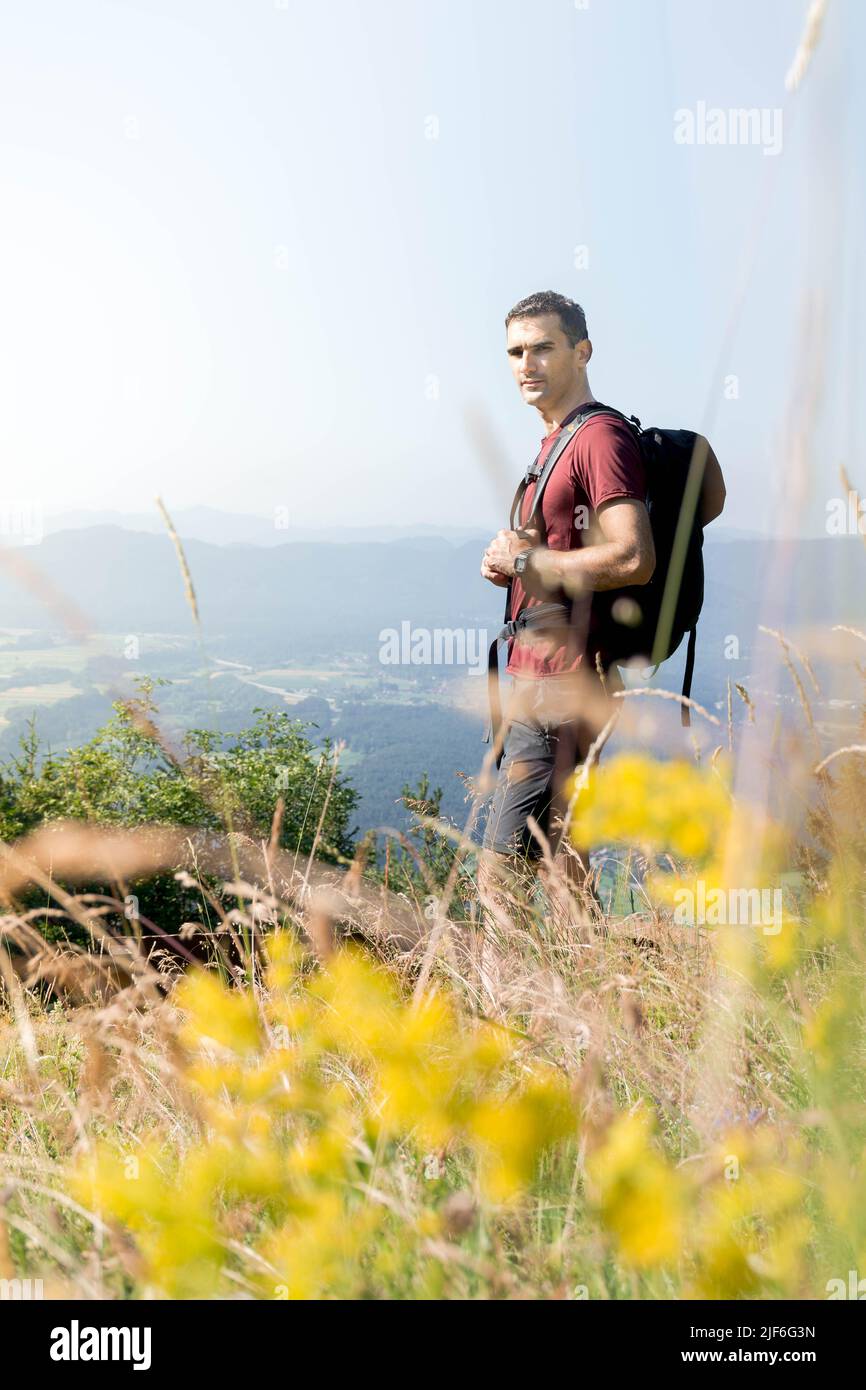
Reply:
x=536, y=1100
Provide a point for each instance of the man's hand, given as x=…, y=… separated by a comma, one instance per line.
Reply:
x=500, y=580
x=497, y=564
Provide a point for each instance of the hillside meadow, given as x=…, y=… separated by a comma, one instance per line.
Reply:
x=347, y=1077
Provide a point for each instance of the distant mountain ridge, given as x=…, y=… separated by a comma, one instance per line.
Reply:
x=217, y=527
x=344, y=593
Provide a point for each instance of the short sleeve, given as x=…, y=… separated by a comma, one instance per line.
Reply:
x=608, y=461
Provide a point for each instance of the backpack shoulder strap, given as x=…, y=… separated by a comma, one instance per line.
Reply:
x=573, y=428
x=685, y=715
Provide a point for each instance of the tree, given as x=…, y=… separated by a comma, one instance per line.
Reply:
x=422, y=866
x=128, y=775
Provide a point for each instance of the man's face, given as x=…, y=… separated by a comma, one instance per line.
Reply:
x=545, y=365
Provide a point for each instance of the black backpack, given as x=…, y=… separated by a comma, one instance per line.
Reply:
x=643, y=620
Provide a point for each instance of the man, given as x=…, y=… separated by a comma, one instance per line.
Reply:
x=595, y=534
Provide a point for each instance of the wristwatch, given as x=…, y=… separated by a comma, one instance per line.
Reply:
x=523, y=559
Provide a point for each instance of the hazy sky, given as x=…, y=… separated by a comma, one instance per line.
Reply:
x=258, y=254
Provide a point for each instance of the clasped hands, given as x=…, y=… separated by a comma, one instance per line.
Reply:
x=497, y=563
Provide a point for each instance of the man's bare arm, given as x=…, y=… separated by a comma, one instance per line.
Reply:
x=624, y=553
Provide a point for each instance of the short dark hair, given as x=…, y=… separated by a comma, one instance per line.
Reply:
x=572, y=319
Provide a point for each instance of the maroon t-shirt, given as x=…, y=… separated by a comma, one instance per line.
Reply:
x=603, y=462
